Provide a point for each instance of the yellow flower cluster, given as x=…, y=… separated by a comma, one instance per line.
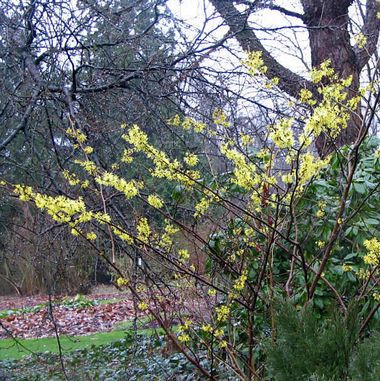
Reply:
x=190, y=159
x=185, y=326
x=331, y=114
x=165, y=242
x=88, y=150
x=202, y=206
x=240, y=282
x=321, y=211
x=360, y=40
x=130, y=189
x=24, y=192
x=246, y=140
x=63, y=210
x=91, y=236
x=71, y=178
x=171, y=229
x=88, y=165
x=373, y=252
x=255, y=63
x=142, y=306
x=124, y=236
x=325, y=70
x=60, y=208
x=76, y=134
x=222, y=313
x=306, y=96
x=309, y=167
x=244, y=172
x=363, y=274
x=346, y=268
x=220, y=118
x=155, y=201
x=207, y=328
x=127, y=156
x=184, y=338
x=187, y=123
x=121, y=282
x=143, y=230
x=183, y=254
x=282, y=133
x=164, y=167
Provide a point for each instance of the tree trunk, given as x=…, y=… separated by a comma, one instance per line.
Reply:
x=329, y=39
x=327, y=22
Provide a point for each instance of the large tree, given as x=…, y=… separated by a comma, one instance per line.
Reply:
x=328, y=24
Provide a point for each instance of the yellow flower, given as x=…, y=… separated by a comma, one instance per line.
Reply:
x=171, y=229
x=76, y=134
x=222, y=313
x=155, y=201
x=143, y=230
x=373, y=252
x=222, y=344
x=185, y=326
x=143, y=306
x=361, y=40
x=282, y=133
x=127, y=156
x=363, y=274
x=130, y=189
x=255, y=63
x=347, y=268
x=88, y=166
x=184, y=338
x=202, y=206
x=91, y=236
x=190, y=159
x=207, y=328
x=175, y=121
x=121, y=282
x=88, y=150
x=320, y=213
x=220, y=118
x=246, y=140
x=183, y=254
x=306, y=96
x=320, y=244
x=25, y=193
x=240, y=282
x=324, y=70
x=211, y=292
x=75, y=232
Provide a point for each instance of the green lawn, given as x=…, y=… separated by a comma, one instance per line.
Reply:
x=10, y=350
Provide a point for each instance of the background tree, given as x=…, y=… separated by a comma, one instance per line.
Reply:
x=328, y=24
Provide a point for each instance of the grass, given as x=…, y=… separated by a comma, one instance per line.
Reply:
x=10, y=350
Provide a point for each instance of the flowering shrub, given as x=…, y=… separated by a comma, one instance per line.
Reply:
x=280, y=223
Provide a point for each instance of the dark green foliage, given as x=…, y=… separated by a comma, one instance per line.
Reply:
x=312, y=348
x=366, y=362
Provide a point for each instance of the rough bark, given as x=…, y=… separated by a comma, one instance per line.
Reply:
x=329, y=39
x=327, y=22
